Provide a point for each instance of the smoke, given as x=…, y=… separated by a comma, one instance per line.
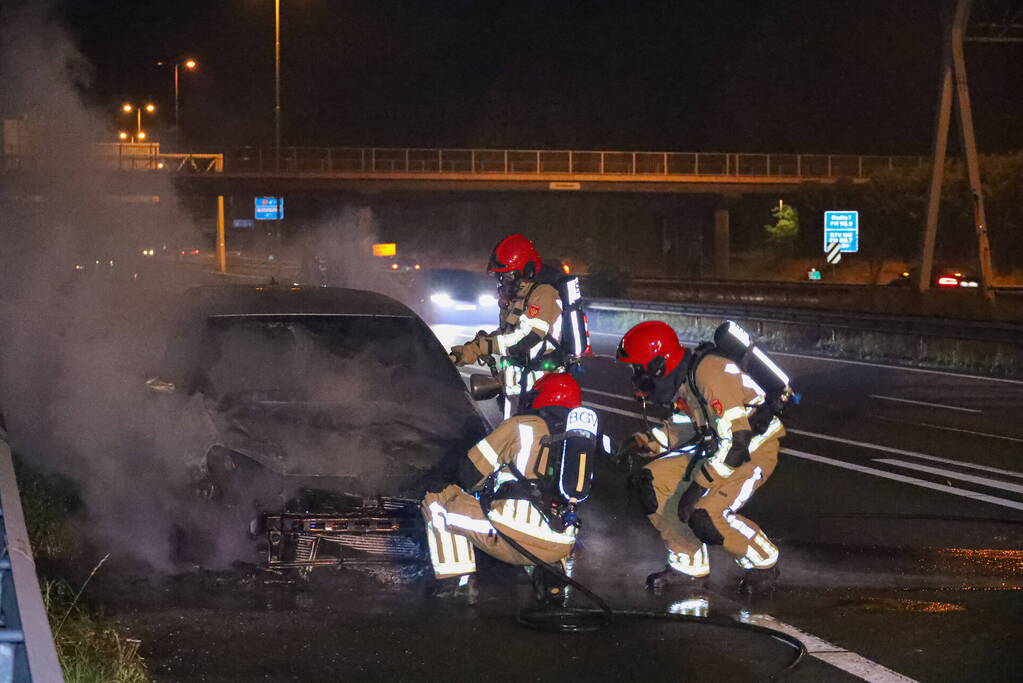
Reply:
x=85, y=319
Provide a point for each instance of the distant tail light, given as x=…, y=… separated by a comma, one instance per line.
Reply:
x=948, y=281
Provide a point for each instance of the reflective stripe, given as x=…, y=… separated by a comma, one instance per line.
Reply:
x=525, y=448
x=734, y=413
x=539, y=530
x=753, y=559
x=758, y=441
x=660, y=440
x=444, y=559
x=480, y=526
x=504, y=341
x=697, y=564
x=746, y=490
x=539, y=324
x=681, y=419
x=488, y=452
x=732, y=369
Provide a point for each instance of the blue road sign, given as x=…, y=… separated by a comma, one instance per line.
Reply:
x=269, y=208
x=842, y=227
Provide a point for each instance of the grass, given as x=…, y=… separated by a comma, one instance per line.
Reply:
x=89, y=649
x=50, y=501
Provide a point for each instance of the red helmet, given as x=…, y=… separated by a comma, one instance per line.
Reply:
x=653, y=347
x=558, y=389
x=515, y=254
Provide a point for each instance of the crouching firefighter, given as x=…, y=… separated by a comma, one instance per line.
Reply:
x=520, y=485
x=542, y=327
x=719, y=446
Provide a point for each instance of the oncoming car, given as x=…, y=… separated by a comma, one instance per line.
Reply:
x=326, y=414
x=458, y=296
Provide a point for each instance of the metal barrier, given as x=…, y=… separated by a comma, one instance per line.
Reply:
x=412, y=160
x=27, y=651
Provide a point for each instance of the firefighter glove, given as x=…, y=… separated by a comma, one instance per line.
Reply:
x=688, y=501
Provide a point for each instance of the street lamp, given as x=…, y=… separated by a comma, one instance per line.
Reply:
x=128, y=108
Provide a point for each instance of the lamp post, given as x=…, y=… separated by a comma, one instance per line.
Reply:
x=191, y=65
x=277, y=84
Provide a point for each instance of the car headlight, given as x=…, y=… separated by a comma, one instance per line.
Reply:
x=487, y=300
x=442, y=299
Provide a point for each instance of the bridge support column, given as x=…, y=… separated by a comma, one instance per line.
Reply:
x=722, y=221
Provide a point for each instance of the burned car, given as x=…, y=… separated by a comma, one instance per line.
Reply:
x=325, y=415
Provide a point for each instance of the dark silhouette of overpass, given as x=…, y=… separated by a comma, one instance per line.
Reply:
x=373, y=169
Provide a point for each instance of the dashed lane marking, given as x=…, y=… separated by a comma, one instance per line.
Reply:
x=900, y=451
x=983, y=481
x=825, y=359
x=924, y=403
x=944, y=428
x=836, y=656
x=923, y=483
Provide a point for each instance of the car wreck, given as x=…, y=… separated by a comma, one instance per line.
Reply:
x=326, y=414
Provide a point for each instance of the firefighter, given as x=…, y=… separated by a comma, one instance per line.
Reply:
x=692, y=495
x=525, y=345
x=502, y=489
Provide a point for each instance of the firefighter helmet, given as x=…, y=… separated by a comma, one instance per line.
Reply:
x=558, y=389
x=515, y=254
x=652, y=349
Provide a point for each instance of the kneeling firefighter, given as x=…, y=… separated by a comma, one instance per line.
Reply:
x=522, y=482
x=728, y=397
x=530, y=341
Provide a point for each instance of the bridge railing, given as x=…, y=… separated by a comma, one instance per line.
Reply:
x=411, y=160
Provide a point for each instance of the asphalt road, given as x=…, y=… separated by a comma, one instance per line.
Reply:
x=897, y=506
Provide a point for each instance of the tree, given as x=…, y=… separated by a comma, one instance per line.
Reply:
x=786, y=226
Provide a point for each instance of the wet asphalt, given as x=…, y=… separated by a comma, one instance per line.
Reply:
x=897, y=505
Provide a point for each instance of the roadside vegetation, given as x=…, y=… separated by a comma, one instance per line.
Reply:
x=90, y=650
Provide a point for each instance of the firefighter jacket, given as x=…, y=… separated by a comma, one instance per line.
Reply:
x=515, y=443
x=528, y=327
x=730, y=399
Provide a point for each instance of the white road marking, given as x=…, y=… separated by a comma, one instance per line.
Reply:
x=900, y=451
x=834, y=655
x=617, y=411
x=951, y=474
x=902, y=368
x=607, y=393
x=924, y=403
x=944, y=428
x=1004, y=502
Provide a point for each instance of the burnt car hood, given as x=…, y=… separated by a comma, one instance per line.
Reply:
x=335, y=448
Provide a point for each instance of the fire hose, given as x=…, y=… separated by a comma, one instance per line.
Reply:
x=563, y=619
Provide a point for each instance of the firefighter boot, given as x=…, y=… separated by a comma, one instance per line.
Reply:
x=759, y=582
x=549, y=588
x=668, y=578
x=457, y=589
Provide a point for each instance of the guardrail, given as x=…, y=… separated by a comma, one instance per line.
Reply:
x=381, y=160
x=27, y=652
x=960, y=306
x=124, y=158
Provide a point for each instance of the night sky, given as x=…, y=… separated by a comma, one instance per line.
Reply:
x=727, y=75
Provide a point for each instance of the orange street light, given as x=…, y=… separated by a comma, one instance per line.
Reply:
x=128, y=108
x=191, y=64
x=123, y=135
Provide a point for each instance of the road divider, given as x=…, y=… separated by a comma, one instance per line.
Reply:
x=964, y=345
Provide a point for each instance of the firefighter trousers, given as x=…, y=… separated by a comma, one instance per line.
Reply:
x=456, y=525
x=714, y=519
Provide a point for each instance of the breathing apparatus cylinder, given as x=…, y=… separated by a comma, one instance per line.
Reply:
x=734, y=343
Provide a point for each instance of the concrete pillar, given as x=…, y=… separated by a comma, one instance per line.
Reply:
x=721, y=249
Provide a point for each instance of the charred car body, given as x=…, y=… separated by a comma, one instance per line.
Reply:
x=319, y=417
